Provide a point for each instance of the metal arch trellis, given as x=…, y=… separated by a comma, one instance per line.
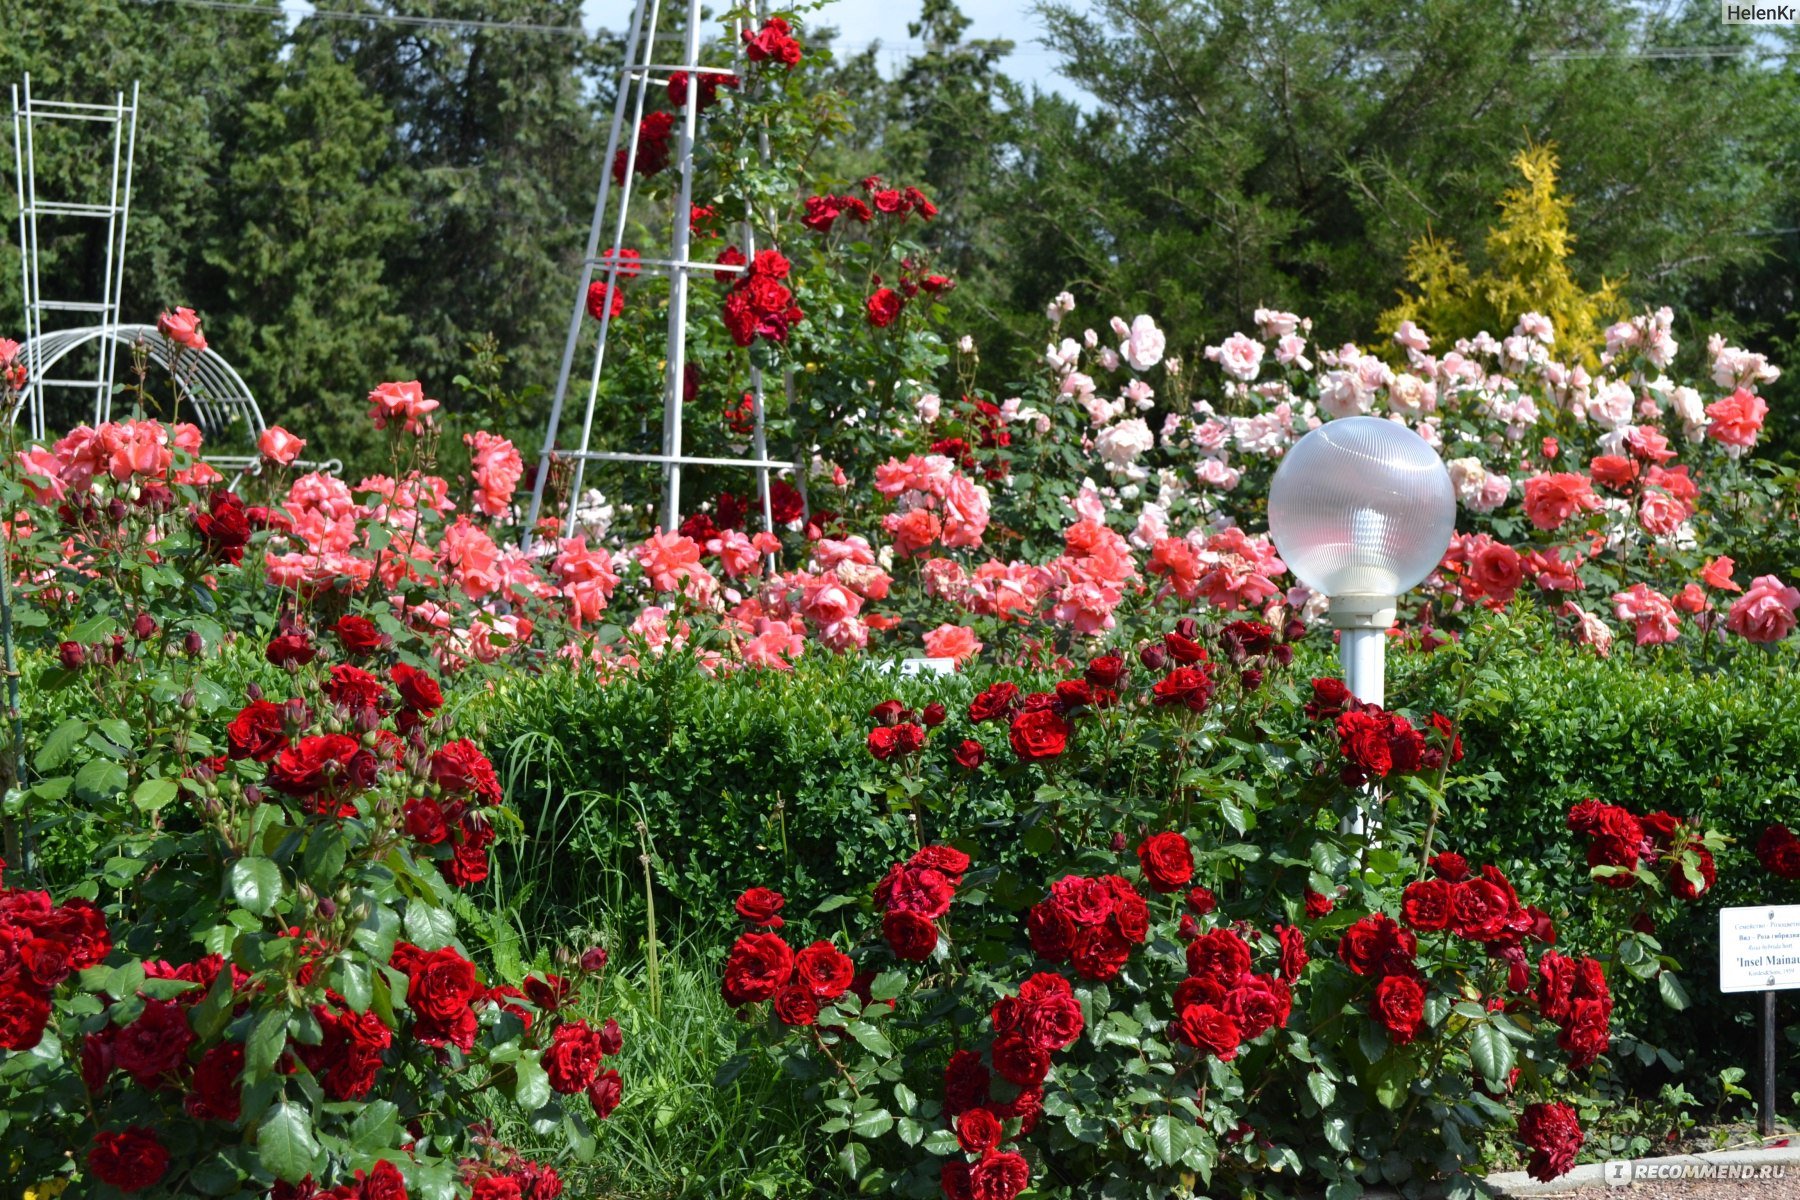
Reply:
x=640, y=72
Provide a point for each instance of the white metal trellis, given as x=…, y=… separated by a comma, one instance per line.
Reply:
x=121, y=118
x=640, y=72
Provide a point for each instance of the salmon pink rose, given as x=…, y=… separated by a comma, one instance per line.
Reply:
x=1765, y=613
x=279, y=446
x=952, y=641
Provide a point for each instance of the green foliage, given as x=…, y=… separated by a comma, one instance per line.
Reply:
x=1528, y=271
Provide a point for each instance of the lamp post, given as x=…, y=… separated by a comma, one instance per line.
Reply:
x=1362, y=511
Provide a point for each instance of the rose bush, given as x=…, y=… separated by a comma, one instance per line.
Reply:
x=1201, y=979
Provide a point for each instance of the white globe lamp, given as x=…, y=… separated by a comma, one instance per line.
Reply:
x=1362, y=511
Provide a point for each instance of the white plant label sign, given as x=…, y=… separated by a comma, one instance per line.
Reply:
x=1759, y=948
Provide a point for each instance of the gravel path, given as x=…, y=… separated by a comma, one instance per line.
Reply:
x=1786, y=1188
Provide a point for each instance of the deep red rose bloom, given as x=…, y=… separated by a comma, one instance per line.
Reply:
x=1218, y=954
x=761, y=906
x=605, y=1093
x=1376, y=946
x=1201, y=901
x=1293, y=951
x=573, y=1057
x=996, y=702
x=1258, y=1004
x=24, y=1012
x=1107, y=671
x=1099, y=952
x=359, y=635
x=349, y=1053
x=1587, y=1033
x=965, y=1083
x=910, y=936
x=1554, y=1136
x=1318, y=905
x=934, y=715
x=759, y=965
x=216, y=1094
x=978, y=1131
x=884, y=307
x=969, y=754
x=354, y=688
x=883, y=743
x=1167, y=861
x=1329, y=700
x=1453, y=868
x=256, y=732
x=1000, y=1175
x=460, y=768
x=496, y=1187
x=1778, y=850
x=224, y=527
x=888, y=712
x=154, y=1047
x=1206, y=1028
x=1400, y=1006
x=1051, y=930
x=795, y=1005
x=1190, y=687
x=130, y=1161
x=1426, y=904
x=1684, y=888
x=425, y=821
x=291, y=649
x=385, y=1182
x=946, y=860
x=1478, y=909
x=915, y=889
x=1039, y=735
x=824, y=970
x=313, y=763
x=441, y=985
x=418, y=691
x=1018, y=1061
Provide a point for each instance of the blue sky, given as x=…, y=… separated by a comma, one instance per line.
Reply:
x=863, y=21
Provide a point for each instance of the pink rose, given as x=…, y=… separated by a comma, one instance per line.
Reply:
x=1736, y=420
x=952, y=641
x=1765, y=613
x=1550, y=500
x=1652, y=614
x=404, y=402
x=279, y=446
x=183, y=328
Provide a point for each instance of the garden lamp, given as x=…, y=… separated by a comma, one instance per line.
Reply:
x=1362, y=511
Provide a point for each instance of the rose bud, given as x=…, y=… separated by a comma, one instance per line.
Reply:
x=1188, y=628
x=143, y=627
x=193, y=644
x=188, y=700
x=73, y=655
x=116, y=510
x=1282, y=654
x=252, y=794
x=934, y=715
x=1294, y=630
x=117, y=648
x=327, y=907
x=155, y=497
x=1153, y=657
x=1189, y=929
x=253, y=690
x=595, y=959
x=1118, y=843
x=1251, y=679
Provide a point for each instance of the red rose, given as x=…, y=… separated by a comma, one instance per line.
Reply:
x=921, y=890
x=1778, y=850
x=1478, y=909
x=1426, y=904
x=946, y=860
x=496, y=1187
x=349, y=1053
x=461, y=768
x=611, y=1040
x=1554, y=1136
x=1207, y=1029
x=1201, y=901
x=1400, y=1006
x=291, y=649
x=1679, y=883
x=1258, y=1004
x=934, y=715
x=759, y=965
x=1107, y=671
x=418, y=691
x=1167, y=860
x=1587, y=1033
x=1019, y=1062
x=1190, y=687
x=978, y=1131
x=224, y=527
x=996, y=702
x=883, y=743
x=910, y=936
x=24, y=1012
x=824, y=970
x=385, y=1182
x=216, y=1094
x=130, y=1161
x=888, y=712
x=1039, y=735
x=256, y=732
x=359, y=635
x=154, y=1046
x=605, y=1093
x=1051, y=931
x=1000, y=1175
x=1218, y=954
x=573, y=1057
x=795, y=1005
x=1318, y=906
x=1453, y=868
x=354, y=688
x=441, y=985
x=761, y=906
x=1099, y=952
x=965, y=1083
x=969, y=755
x=953, y=1180
x=884, y=307
x=313, y=763
x=1330, y=699
x=1376, y=946
x=425, y=821
x=1293, y=951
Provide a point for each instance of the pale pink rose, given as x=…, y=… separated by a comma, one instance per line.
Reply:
x=1537, y=325
x=1215, y=472
x=1613, y=406
x=1648, y=443
x=1412, y=337
x=1342, y=394
x=1650, y=612
x=928, y=407
x=1087, y=503
x=1736, y=421
x=845, y=635
x=867, y=580
x=1238, y=356
x=1764, y=613
x=952, y=641
x=402, y=402
x=1109, y=359
x=1152, y=526
x=1590, y=630
x=1290, y=351
x=1144, y=343
x=279, y=446
x=183, y=328
x=1272, y=323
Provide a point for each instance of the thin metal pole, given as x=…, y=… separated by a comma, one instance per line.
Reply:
x=587, y=278
x=1765, y=1111
x=612, y=270
x=34, y=316
x=103, y=368
x=118, y=281
x=759, y=401
x=678, y=280
x=24, y=257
